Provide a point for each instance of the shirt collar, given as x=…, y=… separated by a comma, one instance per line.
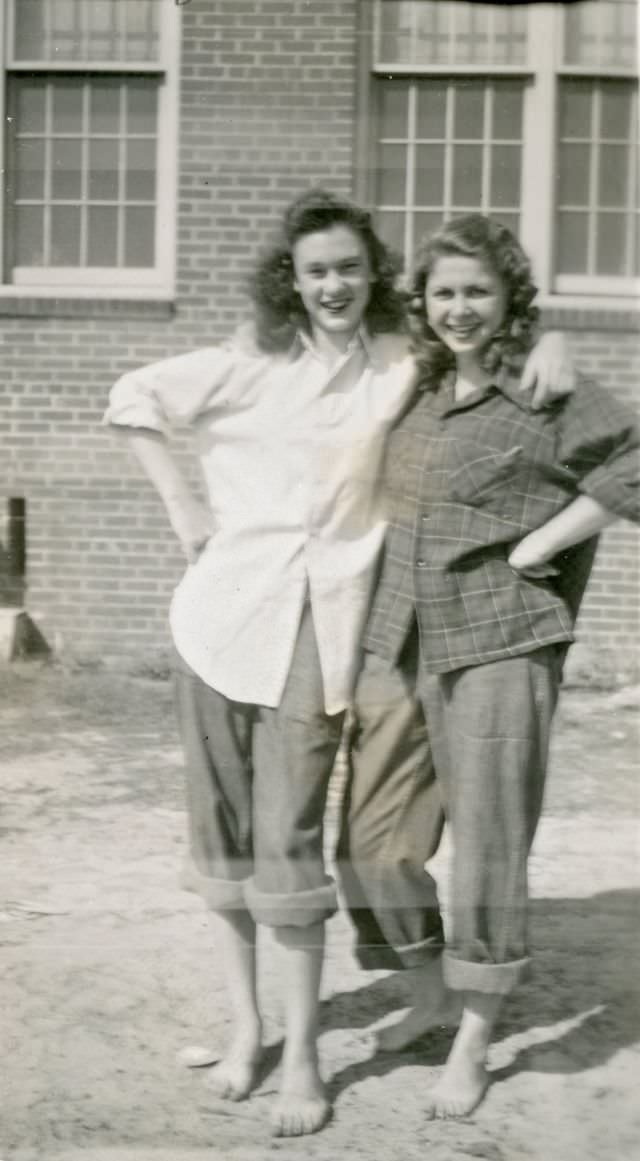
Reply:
x=506, y=380
x=361, y=339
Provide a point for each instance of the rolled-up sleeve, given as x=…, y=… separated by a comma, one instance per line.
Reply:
x=172, y=392
x=600, y=448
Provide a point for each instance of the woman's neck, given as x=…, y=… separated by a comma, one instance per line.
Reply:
x=470, y=377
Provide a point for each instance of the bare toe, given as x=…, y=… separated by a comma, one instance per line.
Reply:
x=235, y=1076
x=295, y=1116
x=452, y=1098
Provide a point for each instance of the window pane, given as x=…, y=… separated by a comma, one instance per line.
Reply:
x=451, y=32
x=140, y=178
x=466, y=152
x=104, y=107
x=468, y=110
x=601, y=32
x=103, y=170
x=511, y=221
x=467, y=176
x=392, y=175
x=575, y=108
x=141, y=105
x=395, y=31
x=28, y=236
x=424, y=225
x=432, y=110
x=615, y=117
x=611, y=251
x=84, y=155
x=30, y=106
x=91, y=30
x=66, y=173
x=614, y=175
x=139, y=237
x=507, y=111
x=390, y=226
x=596, y=174
x=505, y=175
x=67, y=107
x=102, y=236
x=65, y=236
x=572, y=243
x=394, y=101
x=429, y=188
x=573, y=175
x=28, y=169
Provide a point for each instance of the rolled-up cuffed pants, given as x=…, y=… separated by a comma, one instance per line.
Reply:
x=257, y=782
x=392, y=819
x=489, y=727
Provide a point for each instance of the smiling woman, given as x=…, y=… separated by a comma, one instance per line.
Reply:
x=333, y=278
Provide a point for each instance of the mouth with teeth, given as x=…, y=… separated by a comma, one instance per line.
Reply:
x=336, y=306
x=463, y=332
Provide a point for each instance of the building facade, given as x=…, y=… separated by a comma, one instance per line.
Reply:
x=150, y=147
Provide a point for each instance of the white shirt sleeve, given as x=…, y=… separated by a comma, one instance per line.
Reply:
x=173, y=391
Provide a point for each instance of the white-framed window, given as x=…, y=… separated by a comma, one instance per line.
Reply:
x=527, y=112
x=89, y=92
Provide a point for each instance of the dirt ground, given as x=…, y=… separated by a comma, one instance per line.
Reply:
x=110, y=969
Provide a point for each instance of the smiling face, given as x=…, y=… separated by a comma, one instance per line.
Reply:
x=465, y=301
x=333, y=278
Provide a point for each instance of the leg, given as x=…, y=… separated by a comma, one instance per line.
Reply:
x=302, y=1106
x=216, y=735
x=490, y=731
x=235, y=1076
x=391, y=825
x=294, y=752
x=392, y=820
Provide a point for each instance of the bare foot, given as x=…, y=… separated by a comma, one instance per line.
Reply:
x=302, y=1106
x=237, y=1074
x=417, y=1022
x=460, y=1089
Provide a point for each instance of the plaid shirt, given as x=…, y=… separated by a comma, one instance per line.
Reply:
x=466, y=482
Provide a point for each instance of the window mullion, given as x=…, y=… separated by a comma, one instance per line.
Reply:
x=487, y=135
x=538, y=148
x=410, y=194
x=48, y=175
x=84, y=177
x=448, y=153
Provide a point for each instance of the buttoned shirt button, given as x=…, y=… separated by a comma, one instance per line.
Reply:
x=421, y=564
x=424, y=519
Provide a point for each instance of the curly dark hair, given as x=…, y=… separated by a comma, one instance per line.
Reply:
x=278, y=309
x=475, y=236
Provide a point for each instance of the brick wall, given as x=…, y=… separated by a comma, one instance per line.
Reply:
x=267, y=109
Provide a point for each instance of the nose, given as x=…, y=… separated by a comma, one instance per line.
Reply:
x=333, y=281
x=460, y=305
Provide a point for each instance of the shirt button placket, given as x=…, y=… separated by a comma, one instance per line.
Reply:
x=421, y=562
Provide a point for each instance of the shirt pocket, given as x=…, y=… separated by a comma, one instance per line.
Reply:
x=495, y=481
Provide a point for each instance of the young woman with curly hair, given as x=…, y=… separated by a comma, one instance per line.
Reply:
x=494, y=510
x=290, y=420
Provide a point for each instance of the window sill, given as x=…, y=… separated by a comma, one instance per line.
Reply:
x=591, y=313
x=36, y=305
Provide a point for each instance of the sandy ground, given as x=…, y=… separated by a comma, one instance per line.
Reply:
x=109, y=969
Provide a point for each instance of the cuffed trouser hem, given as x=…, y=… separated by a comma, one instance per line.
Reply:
x=415, y=955
x=297, y=909
x=496, y=978
x=218, y=894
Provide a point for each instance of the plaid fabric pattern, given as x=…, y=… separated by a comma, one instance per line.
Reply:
x=468, y=480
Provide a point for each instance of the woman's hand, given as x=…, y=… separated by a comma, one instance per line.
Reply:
x=192, y=523
x=531, y=557
x=549, y=370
